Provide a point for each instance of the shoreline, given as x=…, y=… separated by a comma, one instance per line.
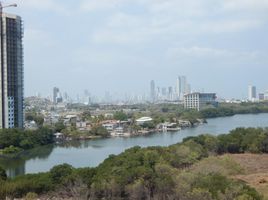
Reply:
x=86, y=138
x=100, y=146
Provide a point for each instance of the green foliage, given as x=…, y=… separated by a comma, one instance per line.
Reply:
x=191, y=115
x=99, y=130
x=214, y=183
x=59, y=126
x=20, y=186
x=86, y=115
x=240, y=140
x=38, y=118
x=148, y=125
x=86, y=174
x=243, y=140
x=181, y=171
x=121, y=116
x=217, y=112
x=12, y=140
x=58, y=174
x=10, y=150
x=228, y=109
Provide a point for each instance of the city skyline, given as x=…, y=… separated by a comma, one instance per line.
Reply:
x=156, y=93
x=206, y=41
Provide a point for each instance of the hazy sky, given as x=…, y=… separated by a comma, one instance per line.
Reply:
x=120, y=45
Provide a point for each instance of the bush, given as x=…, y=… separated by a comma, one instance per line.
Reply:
x=60, y=173
x=31, y=196
x=99, y=131
x=11, y=150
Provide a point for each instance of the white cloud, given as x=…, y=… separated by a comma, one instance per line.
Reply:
x=44, y=5
x=245, y=5
x=171, y=19
x=228, y=26
x=94, y=5
x=38, y=37
x=218, y=55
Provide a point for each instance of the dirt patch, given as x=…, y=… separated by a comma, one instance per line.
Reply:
x=256, y=171
x=253, y=163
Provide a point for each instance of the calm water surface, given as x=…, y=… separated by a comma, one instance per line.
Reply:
x=93, y=152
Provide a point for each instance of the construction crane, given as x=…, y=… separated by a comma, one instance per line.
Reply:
x=6, y=6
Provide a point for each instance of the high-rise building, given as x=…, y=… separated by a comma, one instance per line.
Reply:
x=11, y=71
x=252, y=93
x=170, y=93
x=188, y=89
x=181, y=87
x=164, y=92
x=152, y=91
x=56, y=92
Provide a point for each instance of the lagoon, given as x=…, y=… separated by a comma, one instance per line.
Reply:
x=91, y=153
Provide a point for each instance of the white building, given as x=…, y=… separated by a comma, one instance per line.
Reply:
x=198, y=101
x=143, y=120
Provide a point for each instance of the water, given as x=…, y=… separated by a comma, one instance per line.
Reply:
x=93, y=152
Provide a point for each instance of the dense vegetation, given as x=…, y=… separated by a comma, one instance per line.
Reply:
x=16, y=140
x=186, y=171
x=173, y=112
x=227, y=109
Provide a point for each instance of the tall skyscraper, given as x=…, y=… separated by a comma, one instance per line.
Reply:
x=252, y=93
x=152, y=91
x=164, y=92
x=11, y=71
x=188, y=89
x=181, y=87
x=56, y=92
x=170, y=93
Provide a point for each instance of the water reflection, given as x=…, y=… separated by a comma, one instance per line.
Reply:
x=92, y=152
x=16, y=166
x=80, y=144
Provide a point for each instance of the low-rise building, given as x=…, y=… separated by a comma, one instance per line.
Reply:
x=199, y=101
x=261, y=96
x=30, y=125
x=70, y=119
x=83, y=126
x=143, y=120
x=110, y=126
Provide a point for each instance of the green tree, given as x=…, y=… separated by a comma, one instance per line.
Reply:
x=120, y=116
x=59, y=173
x=38, y=118
x=59, y=126
x=86, y=115
x=99, y=130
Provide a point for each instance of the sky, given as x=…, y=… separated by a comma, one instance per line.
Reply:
x=121, y=45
